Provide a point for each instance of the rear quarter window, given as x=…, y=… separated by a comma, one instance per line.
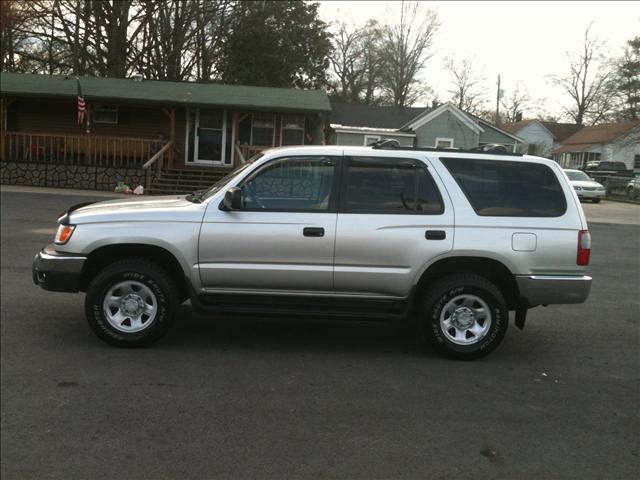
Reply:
x=502, y=188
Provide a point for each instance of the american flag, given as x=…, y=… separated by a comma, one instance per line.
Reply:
x=82, y=107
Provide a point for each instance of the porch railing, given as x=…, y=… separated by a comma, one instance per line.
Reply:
x=79, y=149
x=249, y=151
x=156, y=162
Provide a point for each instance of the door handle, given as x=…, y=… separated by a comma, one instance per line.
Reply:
x=313, y=232
x=435, y=235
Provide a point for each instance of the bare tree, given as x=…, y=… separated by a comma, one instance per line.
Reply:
x=85, y=36
x=587, y=83
x=172, y=40
x=515, y=104
x=165, y=42
x=355, y=61
x=346, y=61
x=406, y=46
x=14, y=18
x=468, y=93
x=373, y=62
x=182, y=39
x=212, y=28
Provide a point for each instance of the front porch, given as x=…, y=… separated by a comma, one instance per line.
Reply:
x=96, y=162
x=80, y=149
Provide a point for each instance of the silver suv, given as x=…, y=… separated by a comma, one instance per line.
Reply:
x=452, y=240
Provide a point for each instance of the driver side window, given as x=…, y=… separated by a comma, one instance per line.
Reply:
x=291, y=184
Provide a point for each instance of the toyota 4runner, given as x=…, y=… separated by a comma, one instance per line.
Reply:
x=453, y=240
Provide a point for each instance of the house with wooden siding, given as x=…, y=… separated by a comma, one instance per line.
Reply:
x=358, y=124
x=445, y=126
x=609, y=142
x=144, y=131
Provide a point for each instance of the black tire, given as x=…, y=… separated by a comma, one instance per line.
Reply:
x=596, y=200
x=141, y=271
x=444, y=291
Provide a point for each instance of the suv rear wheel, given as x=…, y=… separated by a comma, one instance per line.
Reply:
x=463, y=316
x=131, y=303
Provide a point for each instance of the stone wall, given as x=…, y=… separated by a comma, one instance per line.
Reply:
x=88, y=177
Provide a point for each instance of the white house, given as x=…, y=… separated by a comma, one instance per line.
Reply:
x=541, y=138
x=611, y=142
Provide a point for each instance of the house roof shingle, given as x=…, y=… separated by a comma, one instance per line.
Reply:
x=560, y=131
x=359, y=115
x=167, y=93
x=596, y=135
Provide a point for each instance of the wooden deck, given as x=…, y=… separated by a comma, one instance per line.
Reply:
x=78, y=149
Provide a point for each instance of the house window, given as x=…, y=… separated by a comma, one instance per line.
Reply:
x=636, y=162
x=263, y=129
x=292, y=130
x=369, y=139
x=444, y=142
x=106, y=114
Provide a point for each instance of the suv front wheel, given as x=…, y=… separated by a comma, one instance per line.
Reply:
x=463, y=316
x=131, y=303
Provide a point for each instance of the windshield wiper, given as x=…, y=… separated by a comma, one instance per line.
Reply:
x=196, y=196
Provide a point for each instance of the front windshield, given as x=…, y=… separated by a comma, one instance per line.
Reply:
x=578, y=176
x=216, y=187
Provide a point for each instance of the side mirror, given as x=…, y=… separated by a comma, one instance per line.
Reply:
x=232, y=199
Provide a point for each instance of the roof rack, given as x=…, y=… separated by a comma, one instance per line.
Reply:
x=493, y=149
x=386, y=143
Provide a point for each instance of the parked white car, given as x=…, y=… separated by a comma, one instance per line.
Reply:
x=585, y=186
x=633, y=187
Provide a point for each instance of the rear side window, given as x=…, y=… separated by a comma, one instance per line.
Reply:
x=503, y=188
x=389, y=186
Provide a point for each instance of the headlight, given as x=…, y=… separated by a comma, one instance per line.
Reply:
x=63, y=234
x=577, y=188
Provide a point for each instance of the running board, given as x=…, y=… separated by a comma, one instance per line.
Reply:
x=305, y=306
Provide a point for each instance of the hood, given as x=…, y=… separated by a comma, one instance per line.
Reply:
x=164, y=208
x=585, y=183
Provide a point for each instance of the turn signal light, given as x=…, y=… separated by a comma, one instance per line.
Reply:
x=584, y=247
x=64, y=234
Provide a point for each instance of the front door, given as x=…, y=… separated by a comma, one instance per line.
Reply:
x=283, y=238
x=208, y=137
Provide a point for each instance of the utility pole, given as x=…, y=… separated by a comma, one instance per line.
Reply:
x=498, y=103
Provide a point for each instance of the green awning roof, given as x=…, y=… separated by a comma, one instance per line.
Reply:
x=166, y=93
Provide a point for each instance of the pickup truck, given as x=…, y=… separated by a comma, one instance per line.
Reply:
x=609, y=169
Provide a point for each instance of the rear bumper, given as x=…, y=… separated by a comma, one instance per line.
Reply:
x=553, y=289
x=57, y=272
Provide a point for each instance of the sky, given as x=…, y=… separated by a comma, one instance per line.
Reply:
x=523, y=42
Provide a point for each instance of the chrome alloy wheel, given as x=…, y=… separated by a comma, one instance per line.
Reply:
x=130, y=306
x=465, y=319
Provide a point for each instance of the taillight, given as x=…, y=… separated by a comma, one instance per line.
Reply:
x=584, y=247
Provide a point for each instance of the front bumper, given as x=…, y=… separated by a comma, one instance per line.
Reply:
x=57, y=272
x=591, y=193
x=553, y=289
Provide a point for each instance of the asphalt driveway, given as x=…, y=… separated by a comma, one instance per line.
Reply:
x=245, y=398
